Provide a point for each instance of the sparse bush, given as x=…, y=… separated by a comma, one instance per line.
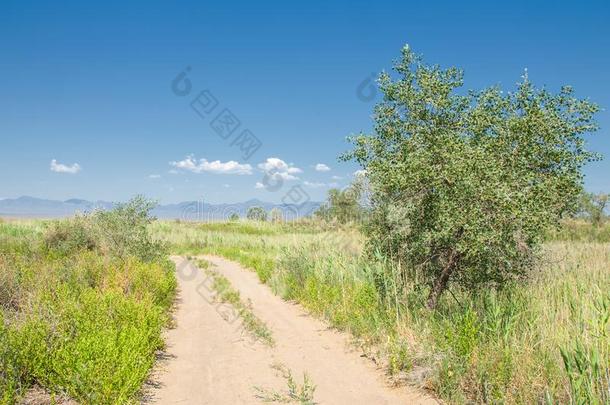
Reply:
x=121, y=232
x=71, y=234
x=124, y=230
x=464, y=186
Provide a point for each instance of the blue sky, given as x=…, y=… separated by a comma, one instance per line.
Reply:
x=90, y=84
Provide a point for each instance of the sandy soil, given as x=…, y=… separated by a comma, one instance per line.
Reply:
x=210, y=358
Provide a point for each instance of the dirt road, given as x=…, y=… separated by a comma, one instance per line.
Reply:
x=211, y=359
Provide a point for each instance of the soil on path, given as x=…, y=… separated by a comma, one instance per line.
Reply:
x=211, y=359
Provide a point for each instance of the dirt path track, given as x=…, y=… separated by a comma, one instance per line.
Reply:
x=211, y=360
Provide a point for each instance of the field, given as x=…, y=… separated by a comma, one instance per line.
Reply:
x=546, y=341
x=84, y=322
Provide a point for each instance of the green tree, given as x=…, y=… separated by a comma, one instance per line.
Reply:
x=593, y=206
x=463, y=185
x=256, y=214
x=234, y=217
x=342, y=205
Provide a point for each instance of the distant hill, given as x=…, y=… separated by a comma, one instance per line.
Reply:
x=32, y=207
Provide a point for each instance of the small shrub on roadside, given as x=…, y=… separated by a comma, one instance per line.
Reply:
x=71, y=235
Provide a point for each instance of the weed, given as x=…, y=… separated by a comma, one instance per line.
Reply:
x=226, y=293
x=295, y=393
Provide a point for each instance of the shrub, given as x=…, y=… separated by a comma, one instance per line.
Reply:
x=593, y=206
x=256, y=214
x=121, y=232
x=69, y=235
x=79, y=314
x=342, y=205
x=88, y=326
x=464, y=187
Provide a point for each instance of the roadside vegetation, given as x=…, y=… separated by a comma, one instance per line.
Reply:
x=544, y=340
x=83, y=302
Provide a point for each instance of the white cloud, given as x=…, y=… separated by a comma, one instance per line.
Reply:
x=321, y=167
x=336, y=177
x=61, y=168
x=259, y=185
x=319, y=184
x=313, y=184
x=226, y=185
x=360, y=173
x=154, y=176
x=217, y=167
x=277, y=168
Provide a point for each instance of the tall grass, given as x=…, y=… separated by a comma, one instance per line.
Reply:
x=578, y=230
x=545, y=341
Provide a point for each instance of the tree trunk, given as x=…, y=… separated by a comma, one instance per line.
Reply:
x=440, y=284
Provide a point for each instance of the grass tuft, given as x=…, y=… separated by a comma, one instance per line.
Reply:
x=296, y=393
x=226, y=293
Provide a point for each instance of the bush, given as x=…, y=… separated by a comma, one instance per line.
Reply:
x=79, y=314
x=576, y=230
x=593, y=207
x=342, y=206
x=120, y=232
x=464, y=187
x=256, y=214
x=88, y=326
x=70, y=235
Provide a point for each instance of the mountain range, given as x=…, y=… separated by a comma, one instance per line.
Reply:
x=32, y=207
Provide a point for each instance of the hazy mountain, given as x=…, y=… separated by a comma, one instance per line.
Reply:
x=32, y=207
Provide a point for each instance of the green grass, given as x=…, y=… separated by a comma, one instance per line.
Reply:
x=295, y=392
x=545, y=341
x=581, y=231
x=226, y=293
x=77, y=322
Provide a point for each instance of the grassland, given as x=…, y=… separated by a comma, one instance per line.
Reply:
x=545, y=341
x=77, y=321
x=80, y=321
